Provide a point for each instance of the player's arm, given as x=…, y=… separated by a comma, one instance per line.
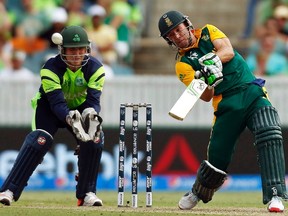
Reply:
x=50, y=83
x=94, y=91
x=222, y=52
x=224, y=49
x=207, y=94
x=186, y=74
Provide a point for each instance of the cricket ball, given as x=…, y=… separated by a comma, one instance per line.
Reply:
x=57, y=38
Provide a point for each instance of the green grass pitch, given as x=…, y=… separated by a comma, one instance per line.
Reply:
x=50, y=203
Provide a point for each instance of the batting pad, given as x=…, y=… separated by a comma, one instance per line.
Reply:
x=208, y=180
x=270, y=152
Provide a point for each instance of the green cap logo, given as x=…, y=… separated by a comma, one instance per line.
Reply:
x=76, y=38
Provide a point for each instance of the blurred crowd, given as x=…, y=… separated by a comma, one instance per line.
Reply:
x=26, y=27
x=115, y=27
x=268, y=53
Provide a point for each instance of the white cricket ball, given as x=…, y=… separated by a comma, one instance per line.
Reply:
x=57, y=38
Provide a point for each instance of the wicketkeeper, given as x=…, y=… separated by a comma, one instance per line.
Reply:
x=69, y=97
x=239, y=100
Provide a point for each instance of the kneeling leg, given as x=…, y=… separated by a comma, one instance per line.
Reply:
x=35, y=146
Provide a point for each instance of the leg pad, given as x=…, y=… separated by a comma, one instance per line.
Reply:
x=208, y=180
x=270, y=152
x=89, y=157
x=35, y=146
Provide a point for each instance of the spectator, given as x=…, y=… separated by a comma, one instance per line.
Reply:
x=28, y=26
x=4, y=50
x=281, y=42
x=75, y=9
x=281, y=15
x=103, y=36
x=118, y=18
x=270, y=26
x=267, y=61
x=59, y=18
x=5, y=35
x=17, y=71
x=46, y=5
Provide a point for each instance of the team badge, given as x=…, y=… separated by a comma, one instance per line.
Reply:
x=181, y=77
x=167, y=20
x=76, y=38
x=79, y=81
x=205, y=37
x=41, y=140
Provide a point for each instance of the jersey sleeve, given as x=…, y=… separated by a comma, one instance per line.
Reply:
x=49, y=80
x=52, y=88
x=214, y=32
x=94, y=91
x=184, y=72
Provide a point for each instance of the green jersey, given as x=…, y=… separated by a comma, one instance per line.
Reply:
x=235, y=72
x=66, y=90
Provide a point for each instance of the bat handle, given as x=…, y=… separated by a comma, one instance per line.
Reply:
x=198, y=74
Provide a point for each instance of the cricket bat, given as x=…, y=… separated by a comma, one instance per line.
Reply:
x=188, y=99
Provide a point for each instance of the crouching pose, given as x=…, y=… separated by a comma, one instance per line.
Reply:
x=239, y=100
x=69, y=97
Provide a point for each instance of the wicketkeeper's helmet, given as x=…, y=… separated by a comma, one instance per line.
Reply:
x=74, y=36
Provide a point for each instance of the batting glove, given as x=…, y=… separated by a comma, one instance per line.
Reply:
x=211, y=59
x=211, y=75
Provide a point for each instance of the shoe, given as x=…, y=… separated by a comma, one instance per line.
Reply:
x=188, y=201
x=6, y=197
x=90, y=200
x=275, y=205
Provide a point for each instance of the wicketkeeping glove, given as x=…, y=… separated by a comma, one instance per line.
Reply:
x=211, y=59
x=211, y=75
x=74, y=119
x=92, y=123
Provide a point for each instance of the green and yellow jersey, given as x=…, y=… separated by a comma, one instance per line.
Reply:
x=235, y=72
x=66, y=90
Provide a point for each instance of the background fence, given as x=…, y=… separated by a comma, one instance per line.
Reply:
x=161, y=91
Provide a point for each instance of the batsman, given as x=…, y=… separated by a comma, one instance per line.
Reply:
x=239, y=101
x=68, y=97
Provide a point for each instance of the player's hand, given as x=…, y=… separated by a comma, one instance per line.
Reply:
x=74, y=119
x=212, y=75
x=211, y=59
x=92, y=123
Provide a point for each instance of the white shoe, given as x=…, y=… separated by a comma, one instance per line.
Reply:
x=188, y=201
x=275, y=205
x=90, y=200
x=6, y=197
